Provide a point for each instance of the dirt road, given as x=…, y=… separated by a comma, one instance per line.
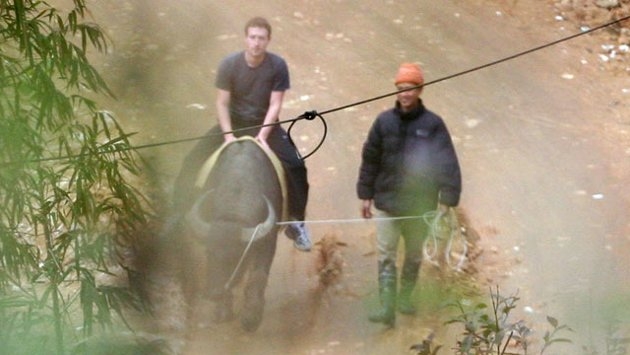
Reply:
x=542, y=139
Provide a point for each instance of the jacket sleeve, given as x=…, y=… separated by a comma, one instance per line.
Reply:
x=370, y=163
x=449, y=173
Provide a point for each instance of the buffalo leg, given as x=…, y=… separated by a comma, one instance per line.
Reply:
x=223, y=311
x=254, y=298
x=222, y=296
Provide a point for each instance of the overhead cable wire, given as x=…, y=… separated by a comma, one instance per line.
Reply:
x=310, y=115
x=478, y=68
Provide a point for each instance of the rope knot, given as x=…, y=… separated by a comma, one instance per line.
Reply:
x=310, y=115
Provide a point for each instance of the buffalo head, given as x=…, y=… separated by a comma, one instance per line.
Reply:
x=201, y=227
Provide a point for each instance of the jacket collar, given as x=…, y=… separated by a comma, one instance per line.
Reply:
x=411, y=115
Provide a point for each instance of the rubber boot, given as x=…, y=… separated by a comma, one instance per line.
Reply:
x=408, y=279
x=387, y=292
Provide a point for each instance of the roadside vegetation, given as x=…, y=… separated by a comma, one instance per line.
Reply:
x=491, y=329
x=66, y=186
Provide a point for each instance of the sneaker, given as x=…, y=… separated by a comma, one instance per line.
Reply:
x=297, y=232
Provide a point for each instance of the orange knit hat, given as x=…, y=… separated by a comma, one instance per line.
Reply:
x=409, y=73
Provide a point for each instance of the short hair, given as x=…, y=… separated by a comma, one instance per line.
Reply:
x=260, y=22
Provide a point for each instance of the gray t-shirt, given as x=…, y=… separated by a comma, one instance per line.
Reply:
x=250, y=88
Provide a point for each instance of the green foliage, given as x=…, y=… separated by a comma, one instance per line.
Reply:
x=426, y=347
x=65, y=182
x=491, y=331
x=616, y=341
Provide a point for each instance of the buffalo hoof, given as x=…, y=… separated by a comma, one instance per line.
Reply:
x=252, y=314
x=250, y=321
x=223, y=314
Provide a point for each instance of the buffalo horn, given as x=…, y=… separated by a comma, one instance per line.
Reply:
x=264, y=228
x=197, y=224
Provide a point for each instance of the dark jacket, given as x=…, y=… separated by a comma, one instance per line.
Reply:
x=409, y=163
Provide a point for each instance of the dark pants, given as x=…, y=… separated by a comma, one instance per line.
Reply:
x=278, y=141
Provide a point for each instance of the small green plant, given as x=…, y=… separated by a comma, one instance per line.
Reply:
x=426, y=347
x=615, y=343
x=490, y=331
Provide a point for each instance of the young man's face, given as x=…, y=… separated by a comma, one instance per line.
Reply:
x=256, y=41
x=408, y=99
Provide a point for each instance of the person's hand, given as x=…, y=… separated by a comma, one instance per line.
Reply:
x=366, y=208
x=230, y=137
x=263, y=141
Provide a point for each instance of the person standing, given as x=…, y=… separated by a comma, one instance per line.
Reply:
x=409, y=167
x=250, y=90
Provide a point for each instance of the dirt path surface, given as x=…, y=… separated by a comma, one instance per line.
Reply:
x=543, y=141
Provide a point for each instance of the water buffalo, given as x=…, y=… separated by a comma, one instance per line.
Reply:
x=235, y=216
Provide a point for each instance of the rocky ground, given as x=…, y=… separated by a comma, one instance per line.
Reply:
x=614, y=49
